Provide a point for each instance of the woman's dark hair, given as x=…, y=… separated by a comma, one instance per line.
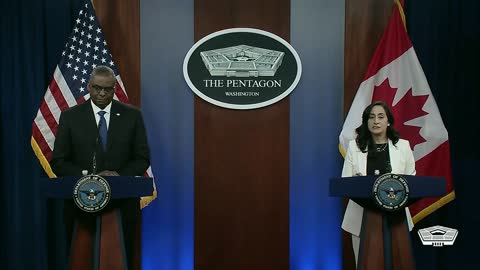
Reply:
x=364, y=138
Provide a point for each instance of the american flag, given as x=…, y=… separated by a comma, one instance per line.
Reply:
x=85, y=49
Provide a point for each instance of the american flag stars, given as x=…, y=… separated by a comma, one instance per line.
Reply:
x=86, y=48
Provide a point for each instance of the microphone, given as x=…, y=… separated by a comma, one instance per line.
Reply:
x=94, y=156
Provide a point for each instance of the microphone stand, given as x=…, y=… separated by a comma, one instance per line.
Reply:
x=94, y=157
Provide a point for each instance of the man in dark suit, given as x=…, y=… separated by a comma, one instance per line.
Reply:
x=123, y=150
x=78, y=137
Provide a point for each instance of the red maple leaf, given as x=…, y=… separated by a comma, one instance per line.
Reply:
x=408, y=108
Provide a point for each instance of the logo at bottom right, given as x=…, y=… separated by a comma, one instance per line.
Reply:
x=438, y=236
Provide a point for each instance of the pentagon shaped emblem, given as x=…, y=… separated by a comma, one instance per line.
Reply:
x=438, y=236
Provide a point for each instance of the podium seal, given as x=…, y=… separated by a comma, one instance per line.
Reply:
x=91, y=193
x=390, y=191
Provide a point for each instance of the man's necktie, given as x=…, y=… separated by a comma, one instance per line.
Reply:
x=102, y=129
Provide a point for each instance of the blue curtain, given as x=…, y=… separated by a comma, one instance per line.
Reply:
x=446, y=36
x=32, y=36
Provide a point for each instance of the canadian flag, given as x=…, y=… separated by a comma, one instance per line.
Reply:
x=395, y=77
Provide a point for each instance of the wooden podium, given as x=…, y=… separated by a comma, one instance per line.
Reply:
x=384, y=237
x=97, y=239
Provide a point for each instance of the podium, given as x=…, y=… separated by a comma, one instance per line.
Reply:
x=97, y=237
x=384, y=237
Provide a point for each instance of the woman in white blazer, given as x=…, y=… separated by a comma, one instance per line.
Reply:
x=377, y=149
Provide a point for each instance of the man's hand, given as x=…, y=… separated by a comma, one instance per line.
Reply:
x=109, y=173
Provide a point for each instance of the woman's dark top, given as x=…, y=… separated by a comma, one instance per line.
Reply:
x=378, y=161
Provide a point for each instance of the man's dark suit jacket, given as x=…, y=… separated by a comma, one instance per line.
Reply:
x=77, y=137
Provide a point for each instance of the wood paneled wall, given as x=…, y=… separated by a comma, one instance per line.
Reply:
x=241, y=159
